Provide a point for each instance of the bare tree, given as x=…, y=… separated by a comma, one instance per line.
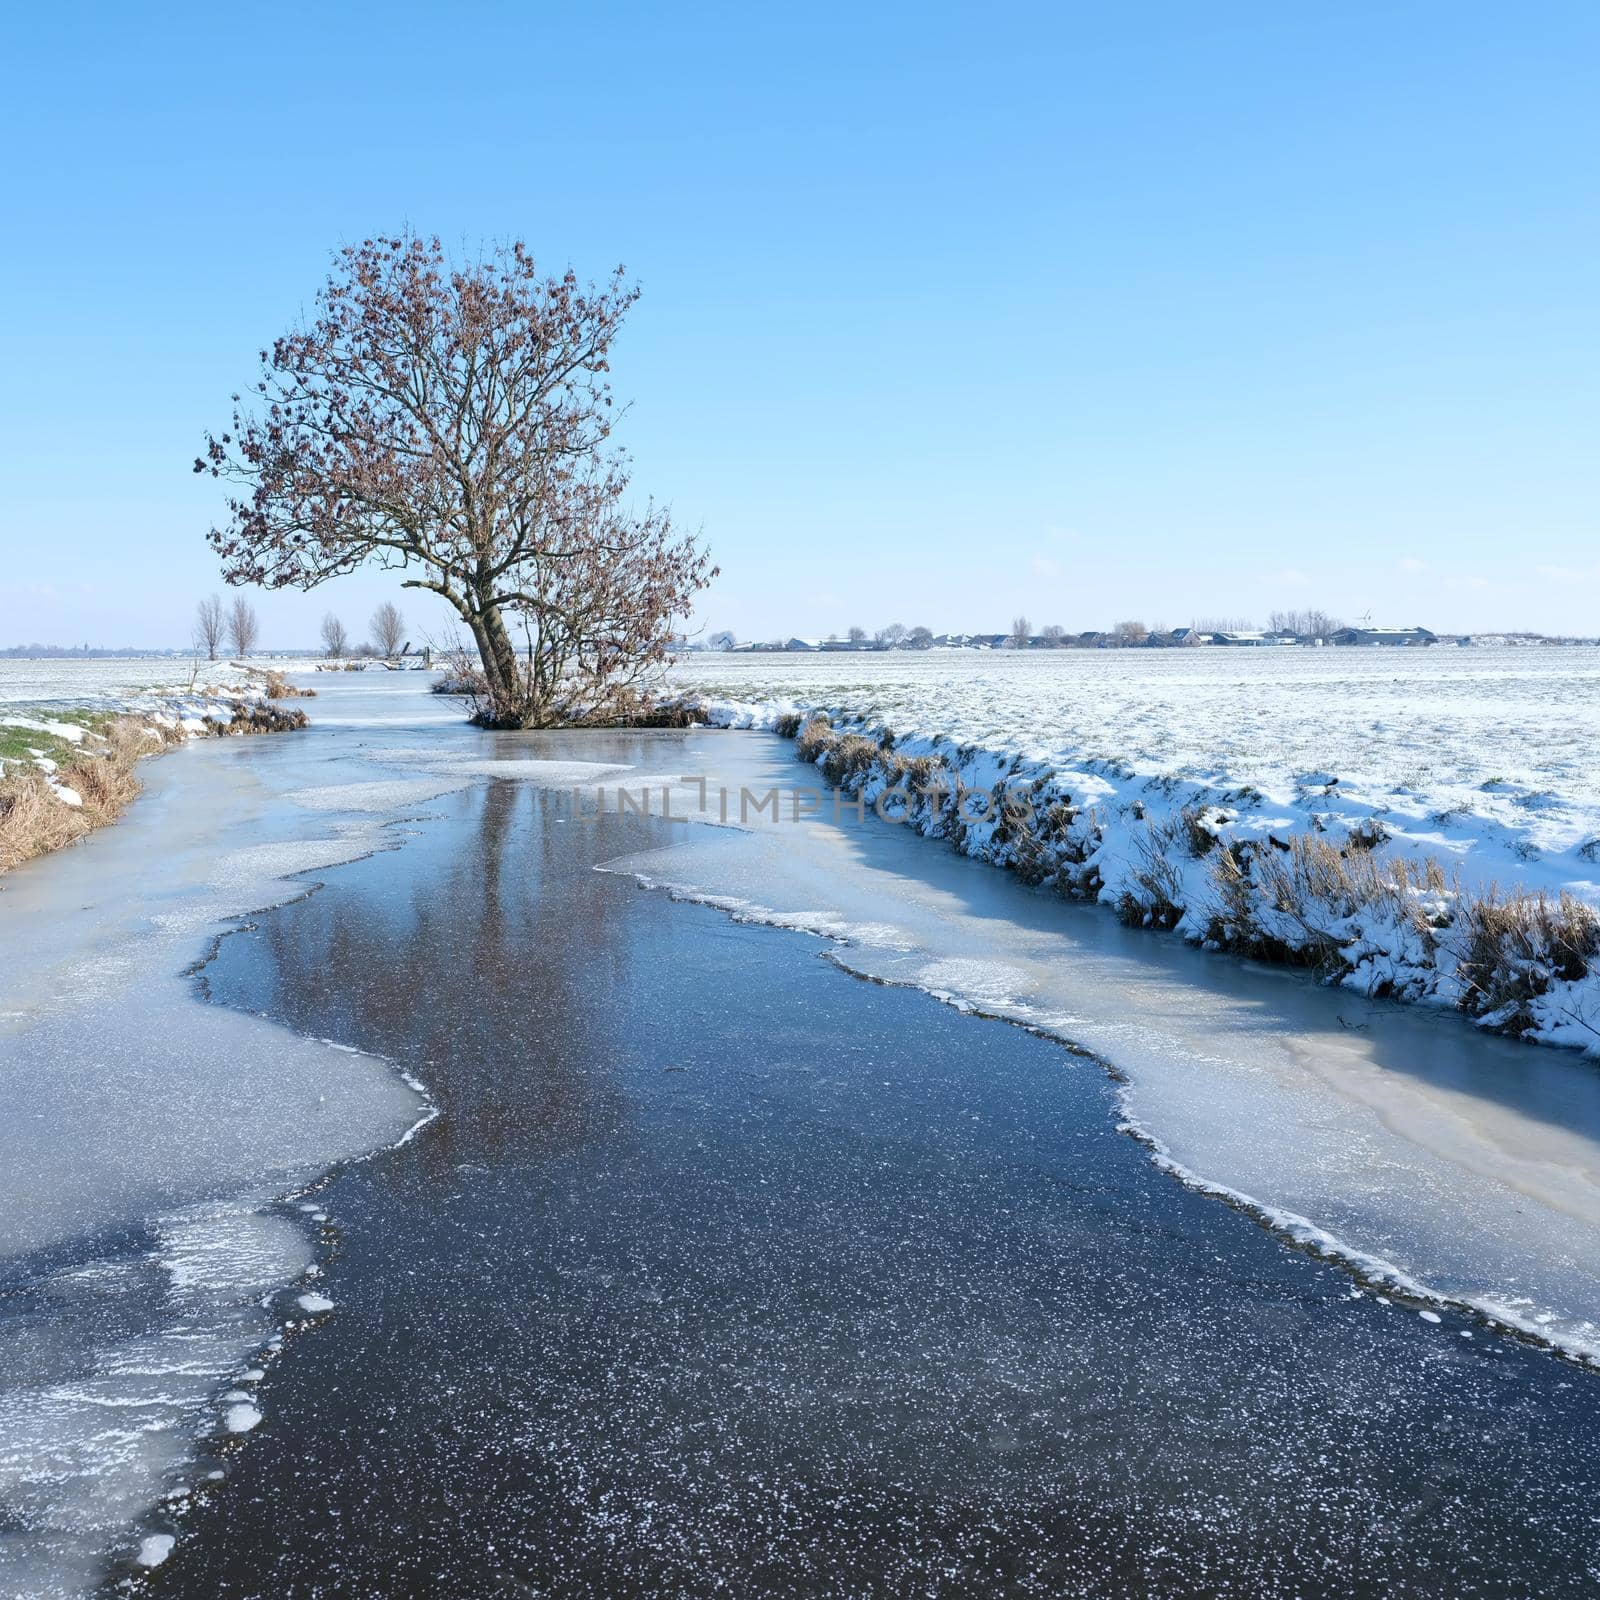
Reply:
x=1223, y=625
x=1055, y=635
x=454, y=421
x=1310, y=624
x=857, y=636
x=1127, y=634
x=920, y=638
x=335, y=641
x=388, y=629
x=1021, y=632
x=210, y=626
x=244, y=628
x=893, y=634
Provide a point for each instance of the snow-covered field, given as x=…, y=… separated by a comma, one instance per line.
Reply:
x=114, y=683
x=1483, y=763
x=53, y=711
x=1502, y=744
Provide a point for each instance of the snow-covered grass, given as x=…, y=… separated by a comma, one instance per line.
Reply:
x=80, y=778
x=1421, y=824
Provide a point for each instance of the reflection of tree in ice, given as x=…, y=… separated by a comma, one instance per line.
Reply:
x=373, y=959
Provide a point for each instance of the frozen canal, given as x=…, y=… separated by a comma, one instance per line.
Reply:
x=720, y=1270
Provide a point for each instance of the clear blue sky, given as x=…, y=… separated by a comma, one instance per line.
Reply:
x=1084, y=310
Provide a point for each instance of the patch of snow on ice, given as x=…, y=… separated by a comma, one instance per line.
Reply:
x=155, y=1549
x=240, y=1418
x=383, y=795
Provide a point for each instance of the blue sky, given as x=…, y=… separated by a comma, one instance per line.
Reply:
x=1088, y=311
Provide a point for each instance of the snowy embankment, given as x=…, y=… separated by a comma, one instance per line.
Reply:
x=66, y=769
x=1414, y=901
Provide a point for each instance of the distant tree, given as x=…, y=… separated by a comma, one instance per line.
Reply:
x=210, y=626
x=1128, y=634
x=335, y=641
x=857, y=636
x=721, y=641
x=452, y=420
x=244, y=628
x=1021, y=632
x=1224, y=625
x=920, y=638
x=388, y=629
x=893, y=634
x=1309, y=624
x=1055, y=635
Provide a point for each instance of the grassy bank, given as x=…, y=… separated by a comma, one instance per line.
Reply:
x=1349, y=906
x=65, y=773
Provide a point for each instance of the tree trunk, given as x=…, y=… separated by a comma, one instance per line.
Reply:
x=499, y=658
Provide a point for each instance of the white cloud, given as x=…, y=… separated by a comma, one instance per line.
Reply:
x=1410, y=564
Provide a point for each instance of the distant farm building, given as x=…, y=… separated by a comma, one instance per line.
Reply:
x=1412, y=636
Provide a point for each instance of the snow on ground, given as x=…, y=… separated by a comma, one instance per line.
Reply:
x=1485, y=763
x=66, y=704
x=1496, y=748
x=96, y=683
x=72, y=732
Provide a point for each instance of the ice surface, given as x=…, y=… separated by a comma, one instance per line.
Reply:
x=148, y=1136
x=1445, y=1161
x=388, y=795
x=108, y=1382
